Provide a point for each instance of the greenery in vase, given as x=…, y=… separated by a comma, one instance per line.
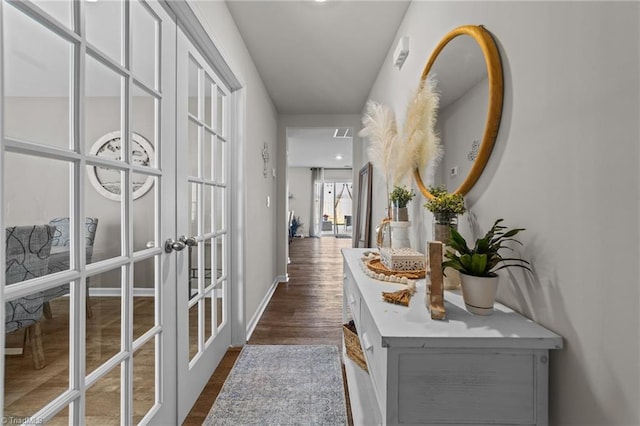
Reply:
x=484, y=259
x=400, y=196
x=444, y=205
x=295, y=224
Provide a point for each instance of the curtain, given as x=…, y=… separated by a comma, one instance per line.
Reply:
x=339, y=197
x=317, y=201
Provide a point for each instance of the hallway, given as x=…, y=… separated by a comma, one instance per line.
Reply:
x=305, y=311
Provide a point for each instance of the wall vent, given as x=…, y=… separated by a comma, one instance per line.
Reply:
x=342, y=133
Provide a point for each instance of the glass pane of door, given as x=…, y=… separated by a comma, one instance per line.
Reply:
x=37, y=352
x=342, y=204
x=144, y=385
x=337, y=216
x=49, y=104
x=62, y=10
x=104, y=328
x=145, y=44
x=328, y=213
x=103, y=397
x=104, y=21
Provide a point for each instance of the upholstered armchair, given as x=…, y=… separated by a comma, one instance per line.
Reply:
x=61, y=240
x=62, y=236
x=27, y=255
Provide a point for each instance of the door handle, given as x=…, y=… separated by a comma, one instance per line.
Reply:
x=190, y=241
x=366, y=343
x=172, y=245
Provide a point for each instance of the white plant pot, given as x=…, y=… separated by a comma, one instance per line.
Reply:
x=479, y=293
x=451, y=280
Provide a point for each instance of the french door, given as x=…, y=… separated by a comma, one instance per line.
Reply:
x=337, y=208
x=105, y=163
x=203, y=217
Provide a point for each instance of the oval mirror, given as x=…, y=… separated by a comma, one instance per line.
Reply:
x=467, y=70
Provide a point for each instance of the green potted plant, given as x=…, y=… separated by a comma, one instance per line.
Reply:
x=399, y=198
x=478, y=265
x=446, y=207
x=293, y=228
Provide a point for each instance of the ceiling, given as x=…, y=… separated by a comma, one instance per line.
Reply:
x=317, y=147
x=318, y=57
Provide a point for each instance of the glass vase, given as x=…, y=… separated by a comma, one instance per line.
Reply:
x=442, y=224
x=399, y=214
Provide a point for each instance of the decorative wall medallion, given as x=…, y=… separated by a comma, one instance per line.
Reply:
x=107, y=181
x=475, y=147
x=265, y=158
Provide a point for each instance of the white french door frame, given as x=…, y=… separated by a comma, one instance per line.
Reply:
x=238, y=219
x=192, y=27
x=183, y=16
x=197, y=36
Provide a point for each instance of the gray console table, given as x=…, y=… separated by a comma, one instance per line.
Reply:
x=467, y=369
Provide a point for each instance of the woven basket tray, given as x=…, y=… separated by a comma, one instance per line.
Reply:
x=376, y=266
x=352, y=343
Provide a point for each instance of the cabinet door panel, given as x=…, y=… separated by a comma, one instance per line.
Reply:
x=375, y=355
x=466, y=387
x=352, y=296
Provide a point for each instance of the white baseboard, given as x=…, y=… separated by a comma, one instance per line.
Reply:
x=283, y=278
x=251, y=326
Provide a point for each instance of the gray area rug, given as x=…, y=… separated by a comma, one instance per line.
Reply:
x=282, y=385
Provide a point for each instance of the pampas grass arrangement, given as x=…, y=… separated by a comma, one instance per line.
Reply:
x=379, y=125
x=394, y=155
x=420, y=140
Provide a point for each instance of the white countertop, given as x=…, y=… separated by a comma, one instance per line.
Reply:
x=413, y=327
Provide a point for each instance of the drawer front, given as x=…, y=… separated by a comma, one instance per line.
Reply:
x=352, y=298
x=375, y=355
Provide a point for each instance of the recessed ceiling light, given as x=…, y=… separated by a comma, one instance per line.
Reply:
x=339, y=157
x=320, y=1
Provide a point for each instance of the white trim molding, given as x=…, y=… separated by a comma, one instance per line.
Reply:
x=189, y=23
x=251, y=326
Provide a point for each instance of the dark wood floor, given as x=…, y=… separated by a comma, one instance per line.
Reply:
x=307, y=310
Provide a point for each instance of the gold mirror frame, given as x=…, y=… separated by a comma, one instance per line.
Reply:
x=494, y=110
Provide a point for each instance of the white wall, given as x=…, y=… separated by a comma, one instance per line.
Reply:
x=338, y=175
x=566, y=168
x=301, y=196
x=260, y=127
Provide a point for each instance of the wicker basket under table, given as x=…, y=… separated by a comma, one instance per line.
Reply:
x=352, y=343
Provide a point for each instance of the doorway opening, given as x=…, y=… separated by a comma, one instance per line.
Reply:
x=320, y=182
